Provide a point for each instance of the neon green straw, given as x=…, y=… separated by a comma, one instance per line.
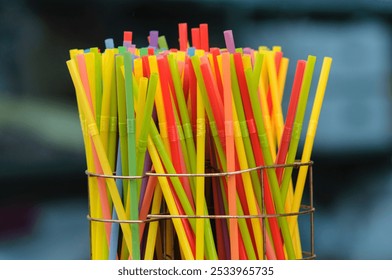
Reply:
x=132, y=160
x=112, y=143
x=98, y=84
x=145, y=128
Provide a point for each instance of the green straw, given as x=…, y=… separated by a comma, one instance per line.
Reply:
x=145, y=128
x=132, y=160
x=98, y=84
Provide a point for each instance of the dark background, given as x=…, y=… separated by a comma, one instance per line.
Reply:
x=43, y=198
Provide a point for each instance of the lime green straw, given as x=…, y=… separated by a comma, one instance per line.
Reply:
x=162, y=43
x=122, y=114
x=146, y=117
x=98, y=84
x=252, y=82
x=112, y=143
x=297, y=125
x=132, y=160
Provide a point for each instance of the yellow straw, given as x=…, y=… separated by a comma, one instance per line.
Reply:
x=153, y=226
x=276, y=107
x=94, y=134
x=200, y=163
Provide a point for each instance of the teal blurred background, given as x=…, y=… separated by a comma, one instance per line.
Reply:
x=43, y=198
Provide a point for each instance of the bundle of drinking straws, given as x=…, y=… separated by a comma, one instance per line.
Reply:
x=188, y=153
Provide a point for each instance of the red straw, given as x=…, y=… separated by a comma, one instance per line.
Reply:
x=183, y=36
x=204, y=41
x=292, y=108
x=128, y=36
x=214, y=97
x=196, y=38
x=215, y=52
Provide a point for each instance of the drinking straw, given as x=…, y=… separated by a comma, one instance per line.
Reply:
x=153, y=39
x=276, y=107
x=183, y=36
x=109, y=43
x=112, y=141
x=138, y=70
x=292, y=107
x=94, y=134
x=282, y=74
x=215, y=53
x=144, y=113
x=277, y=60
x=153, y=226
x=146, y=202
x=310, y=135
x=127, y=37
x=297, y=125
x=230, y=156
x=132, y=157
x=195, y=33
x=98, y=84
x=191, y=102
x=115, y=226
x=107, y=80
x=90, y=67
x=162, y=44
x=200, y=192
x=229, y=40
x=213, y=97
x=273, y=181
x=204, y=40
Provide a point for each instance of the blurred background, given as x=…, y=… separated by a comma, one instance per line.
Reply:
x=43, y=199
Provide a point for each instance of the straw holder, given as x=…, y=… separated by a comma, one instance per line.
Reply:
x=307, y=209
